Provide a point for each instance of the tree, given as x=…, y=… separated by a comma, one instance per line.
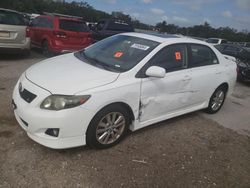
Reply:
x=162, y=26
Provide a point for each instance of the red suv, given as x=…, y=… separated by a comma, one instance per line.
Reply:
x=56, y=33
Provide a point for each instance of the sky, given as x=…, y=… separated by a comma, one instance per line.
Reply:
x=218, y=13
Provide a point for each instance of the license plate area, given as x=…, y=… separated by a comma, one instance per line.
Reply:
x=4, y=34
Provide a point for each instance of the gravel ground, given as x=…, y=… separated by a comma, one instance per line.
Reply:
x=188, y=151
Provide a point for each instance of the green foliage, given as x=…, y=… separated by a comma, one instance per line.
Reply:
x=81, y=9
x=205, y=31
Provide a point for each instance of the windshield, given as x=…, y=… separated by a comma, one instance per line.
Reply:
x=11, y=18
x=212, y=41
x=119, y=53
x=71, y=25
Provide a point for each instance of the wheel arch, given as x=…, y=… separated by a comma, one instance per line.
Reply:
x=123, y=104
x=90, y=127
x=224, y=85
x=45, y=38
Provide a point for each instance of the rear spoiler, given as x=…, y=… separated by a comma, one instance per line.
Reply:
x=230, y=57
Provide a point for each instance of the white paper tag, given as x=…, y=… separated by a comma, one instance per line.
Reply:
x=140, y=47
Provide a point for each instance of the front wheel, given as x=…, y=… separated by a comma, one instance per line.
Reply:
x=108, y=127
x=216, y=100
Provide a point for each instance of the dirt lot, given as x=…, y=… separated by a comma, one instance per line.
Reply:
x=194, y=150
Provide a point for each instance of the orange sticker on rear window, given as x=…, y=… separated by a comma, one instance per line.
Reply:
x=178, y=56
x=118, y=54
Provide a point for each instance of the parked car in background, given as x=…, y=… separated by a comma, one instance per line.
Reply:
x=95, y=95
x=216, y=41
x=108, y=27
x=14, y=34
x=242, y=56
x=57, y=33
x=247, y=46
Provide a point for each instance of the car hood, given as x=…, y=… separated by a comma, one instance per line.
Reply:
x=68, y=75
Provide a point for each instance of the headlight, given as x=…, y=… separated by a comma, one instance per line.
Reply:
x=60, y=102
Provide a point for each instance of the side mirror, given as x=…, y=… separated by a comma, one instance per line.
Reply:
x=156, y=71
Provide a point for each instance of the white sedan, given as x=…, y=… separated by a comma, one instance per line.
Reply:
x=127, y=81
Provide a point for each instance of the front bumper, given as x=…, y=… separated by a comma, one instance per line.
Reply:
x=72, y=123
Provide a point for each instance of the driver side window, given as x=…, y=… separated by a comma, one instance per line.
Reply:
x=171, y=58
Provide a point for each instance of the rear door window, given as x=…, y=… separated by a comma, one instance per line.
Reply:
x=11, y=18
x=71, y=25
x=202, y=55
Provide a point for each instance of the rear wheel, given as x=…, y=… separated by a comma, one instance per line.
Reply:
x=108, y=127
x=217, y=100
x=45, y=49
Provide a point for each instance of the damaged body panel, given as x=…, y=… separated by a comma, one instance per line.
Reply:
x=162, y=96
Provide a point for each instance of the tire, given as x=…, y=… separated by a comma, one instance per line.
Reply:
x=217, y=100
x=45, y=49
x=105, y=124
x=26, y=53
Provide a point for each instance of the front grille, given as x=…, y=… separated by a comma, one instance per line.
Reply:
x=27, y=96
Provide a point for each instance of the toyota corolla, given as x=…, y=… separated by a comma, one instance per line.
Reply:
x=125, y=82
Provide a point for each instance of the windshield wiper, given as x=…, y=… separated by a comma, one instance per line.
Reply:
x=98, y=63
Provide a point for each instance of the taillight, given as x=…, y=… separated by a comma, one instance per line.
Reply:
x=27, y=32
x=59, y=34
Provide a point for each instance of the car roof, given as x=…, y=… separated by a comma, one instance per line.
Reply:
x=9, y=10
x=165, y=38
x=60, y=17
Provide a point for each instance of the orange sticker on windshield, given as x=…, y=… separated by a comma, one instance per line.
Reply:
x=118, y=54
x=178, y=56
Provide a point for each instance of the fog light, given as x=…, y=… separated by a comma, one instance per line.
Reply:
x=52, y=132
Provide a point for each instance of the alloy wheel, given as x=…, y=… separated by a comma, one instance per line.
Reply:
x=110, y=128
x=217, y=100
